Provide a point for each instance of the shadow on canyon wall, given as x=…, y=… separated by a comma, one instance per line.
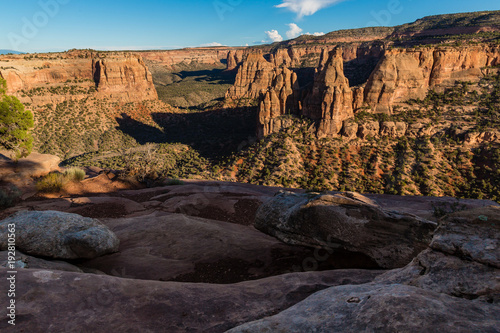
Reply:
x=214, y=134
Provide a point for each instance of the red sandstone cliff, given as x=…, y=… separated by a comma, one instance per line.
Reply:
x=212, y=56
x=124, y=78
x=329, y=103
x=404, y=74
x=401, y=74
x=55, y=77
x=252, y=80
x=331, y=99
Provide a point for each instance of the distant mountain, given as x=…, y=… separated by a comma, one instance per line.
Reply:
x=10, y=51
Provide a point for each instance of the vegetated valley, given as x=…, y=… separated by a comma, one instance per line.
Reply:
x=251, y=114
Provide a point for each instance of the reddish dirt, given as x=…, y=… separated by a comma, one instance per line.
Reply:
x=103, y=183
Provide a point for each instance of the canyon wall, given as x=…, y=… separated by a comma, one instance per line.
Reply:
x=211, y=56
x=301, y=56
x=252, y=80
x=56, y=77
x=124, y=78
x=275, y=85
x=367, y=76
x=404, y=74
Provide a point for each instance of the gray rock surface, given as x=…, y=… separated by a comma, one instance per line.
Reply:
x=454, y=285
x=472, y=234
x=58, y=235
x=53, y=301
x=462, y=259
x=380, y=308
x=439, y=272
x=390, y=239
x=26, y=261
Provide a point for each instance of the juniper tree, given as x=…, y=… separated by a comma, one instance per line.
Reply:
x=15, y=123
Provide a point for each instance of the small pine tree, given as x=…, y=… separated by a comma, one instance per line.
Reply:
x=15, y=123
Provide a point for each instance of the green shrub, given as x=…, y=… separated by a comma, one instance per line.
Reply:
x=74, y=174
x=170, y=182
x=53, y=182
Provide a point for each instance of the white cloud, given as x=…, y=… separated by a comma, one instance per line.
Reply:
x=306, y=7
x=211, y=44
x=294, y=31
x=274, y=36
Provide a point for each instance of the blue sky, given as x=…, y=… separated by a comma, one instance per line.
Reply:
x=56, y=25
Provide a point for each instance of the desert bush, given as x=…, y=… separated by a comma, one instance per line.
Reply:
x=53, y=182
x=174, y=181
x=74, y=174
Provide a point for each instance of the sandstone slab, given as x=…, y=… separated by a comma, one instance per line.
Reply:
x=52, y=301
x=390, y=239
x=380, y=308
x=462, y=259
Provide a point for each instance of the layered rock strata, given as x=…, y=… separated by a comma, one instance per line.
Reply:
x=331, y=100
x=400, y=75
x=75, y=75
x=124, y=78
x=404, y=74
x=211, y=56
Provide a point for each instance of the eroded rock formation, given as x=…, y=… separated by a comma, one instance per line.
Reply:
x=275, y=87
x=280, y=99
x=123, y=78
x=381, y=78
x=76, y=75
x=234, y=59
x=254, y=77
x=190, y=56
x=331, y=100
x=404, y=74
x=329, y=104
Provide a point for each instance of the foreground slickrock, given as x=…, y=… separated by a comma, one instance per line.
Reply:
x=390, y=239
x=25, y=261
x=178, y=247
x=58, y=235
x=55, y=301
x=462, y=259
x=384, y=308
x=454, y=285
x=190, y=260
